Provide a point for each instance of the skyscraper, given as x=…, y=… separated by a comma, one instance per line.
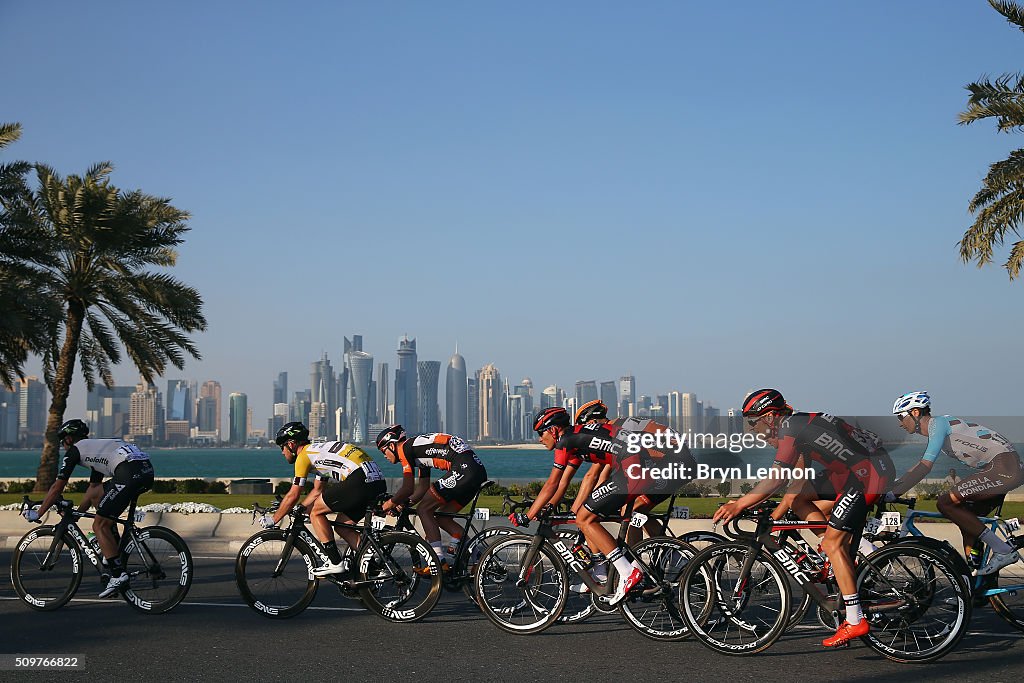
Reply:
x=627, y=395
x=427, y=376
x=610, y=397
x=406, y=391
x=383, y=393
x=108, y=410
x=8, y=417
x=281, y=388
x=360, y=368
x=238, y=405
x=690, y=421
x=32, y=396
x=179, y=400
x=146, y=418
x=211, y=390
x=323, y=387
x=675, y=409
x=552, y=397
x=525, y=389
x=456, y=396
x=472, y=409
x=517, y=418
x=491, y=403
x=586, y=391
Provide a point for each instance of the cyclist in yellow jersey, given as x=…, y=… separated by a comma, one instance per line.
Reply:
x=347, y=481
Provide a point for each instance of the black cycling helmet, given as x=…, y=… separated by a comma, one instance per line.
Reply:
x=591, y=410
x=291, y=431
x=392, y=434
x=76, y=429
x=551, y=417
x=763, y=401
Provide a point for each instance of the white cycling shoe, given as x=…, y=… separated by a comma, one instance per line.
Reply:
x=330, y=568
x=998, y=561
x=625, y=585
x=114, y=584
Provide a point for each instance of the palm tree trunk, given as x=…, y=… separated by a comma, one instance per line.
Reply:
x=47, y=472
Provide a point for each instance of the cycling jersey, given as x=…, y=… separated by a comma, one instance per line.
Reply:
x=676, y=453
x=102, y=455
x=970, y=443
x=592, y=442
x=440, y=451
x=335, y=460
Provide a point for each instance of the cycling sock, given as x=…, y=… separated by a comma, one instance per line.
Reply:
x=333, y=554
x=439, y=549
x=853, y=613
x=623, y=566
x=866, y=547
x=997, y=544
x=116, y=568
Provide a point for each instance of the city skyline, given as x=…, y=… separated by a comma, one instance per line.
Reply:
x=842, y=182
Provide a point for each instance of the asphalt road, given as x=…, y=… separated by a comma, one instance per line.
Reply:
x=214, y=636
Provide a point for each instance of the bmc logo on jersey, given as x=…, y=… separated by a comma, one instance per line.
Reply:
x=607, y=445
x=834, y=446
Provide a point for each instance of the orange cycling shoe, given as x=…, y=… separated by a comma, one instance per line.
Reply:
x=846, y=633
x=425, y=570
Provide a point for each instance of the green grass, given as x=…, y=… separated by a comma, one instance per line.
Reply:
x=701, y=508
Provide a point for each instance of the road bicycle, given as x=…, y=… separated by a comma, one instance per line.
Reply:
x=522, y=583
x=396, y=574
x=49, y=561
x=736, y=595
x=466, y=556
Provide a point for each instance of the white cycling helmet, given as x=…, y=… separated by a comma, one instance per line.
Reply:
x=907, y=402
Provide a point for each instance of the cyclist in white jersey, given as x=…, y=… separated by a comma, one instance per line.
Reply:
x=974, y=445
x=353, y=482
x=130, y=474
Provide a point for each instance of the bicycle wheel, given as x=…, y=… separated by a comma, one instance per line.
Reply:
x=916, y=602
x=654, y=611
x=276, y=584
x=407, y=582
x=532, y=606
x=475, y=548
x=1009, y=604
x=729, y=611
x=159, y=565
x=47, y=587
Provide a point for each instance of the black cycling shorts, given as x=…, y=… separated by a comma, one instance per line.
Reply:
x=131, y=479
x=353, y=495
x=608, y=499
x=992, y=483
x=461, y=483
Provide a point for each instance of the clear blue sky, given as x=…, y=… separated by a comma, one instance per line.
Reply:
x=713, y=196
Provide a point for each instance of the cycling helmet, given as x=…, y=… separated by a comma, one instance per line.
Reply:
x=591, y=410
x=73, y=428
x=551, y=417
x=763, y=401
x=291, y=431
x=915, y=399
x=392, y=434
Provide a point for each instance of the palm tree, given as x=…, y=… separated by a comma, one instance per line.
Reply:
x=94, y=247
x=999, y=204
x=20, y=331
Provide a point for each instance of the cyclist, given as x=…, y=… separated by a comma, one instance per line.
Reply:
x=465, y=474
x=973, y=496
x=859, y=468
x=347, y=482
x=130, y=472
x=656, y=491
x=595, y=443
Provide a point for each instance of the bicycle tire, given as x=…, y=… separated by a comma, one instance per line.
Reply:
x=160, y=568
x=702, y=539
x=39, y=589
x=475, y=548
x=654, y=611
x=734, y=625
x=280, y=597
x=529, y=609
x=936, y=602
x=409, y=595
x=1010, y=604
